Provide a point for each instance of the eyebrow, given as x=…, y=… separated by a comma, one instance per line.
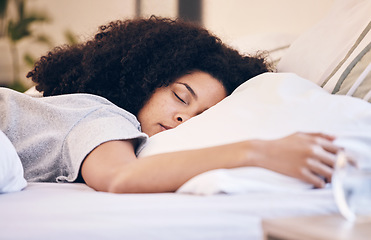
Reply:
x=189, y=89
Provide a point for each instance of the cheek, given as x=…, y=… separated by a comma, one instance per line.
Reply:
x=166, y=110
x=159, y=109
x=155, y=111
x=163, y=103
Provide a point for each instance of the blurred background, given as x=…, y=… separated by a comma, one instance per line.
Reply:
x=29, y=28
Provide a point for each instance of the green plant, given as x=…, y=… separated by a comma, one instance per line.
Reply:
x=19, y=28
x=3, y=7
x=69, y=36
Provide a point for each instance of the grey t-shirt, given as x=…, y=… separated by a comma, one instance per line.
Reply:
x=53, y=135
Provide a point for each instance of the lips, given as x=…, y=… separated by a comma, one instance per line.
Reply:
x=164, y=127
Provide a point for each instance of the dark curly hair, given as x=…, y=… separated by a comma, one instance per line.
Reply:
x=127, y=60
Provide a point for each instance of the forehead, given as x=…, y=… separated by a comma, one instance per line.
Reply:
x=200, y=82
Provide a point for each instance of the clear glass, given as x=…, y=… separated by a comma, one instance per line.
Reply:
x=351, y=183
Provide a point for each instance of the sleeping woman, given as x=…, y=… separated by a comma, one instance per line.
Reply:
x=135, y=78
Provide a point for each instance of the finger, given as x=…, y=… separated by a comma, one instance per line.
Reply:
x=325, y=156
x=311, y=178
x=326, y=151
x=320, y=169
x=330, y=147
x=323, y=135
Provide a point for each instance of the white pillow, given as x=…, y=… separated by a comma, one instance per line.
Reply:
x=353, y=78
x=11, y=170
x=318, y=53
x=269, y=106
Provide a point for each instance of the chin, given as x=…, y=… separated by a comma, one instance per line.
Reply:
x=150, y=134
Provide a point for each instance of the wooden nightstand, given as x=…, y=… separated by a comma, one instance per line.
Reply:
x=328, y=227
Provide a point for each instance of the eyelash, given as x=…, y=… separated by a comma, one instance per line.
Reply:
x=179, y=98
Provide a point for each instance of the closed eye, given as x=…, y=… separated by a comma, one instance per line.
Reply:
x=179, y=98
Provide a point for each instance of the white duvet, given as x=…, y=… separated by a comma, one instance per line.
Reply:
x=11, y=170
x=271, y=105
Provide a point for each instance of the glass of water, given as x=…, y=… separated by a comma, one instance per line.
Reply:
x=351, y=184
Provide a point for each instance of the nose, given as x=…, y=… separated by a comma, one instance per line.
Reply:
x=181, y=118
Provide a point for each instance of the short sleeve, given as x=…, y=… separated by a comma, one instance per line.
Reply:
x=102, y=125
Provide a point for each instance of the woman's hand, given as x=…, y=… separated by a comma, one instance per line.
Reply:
x=306, y=156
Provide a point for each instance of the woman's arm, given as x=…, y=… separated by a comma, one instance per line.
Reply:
x=113, y=166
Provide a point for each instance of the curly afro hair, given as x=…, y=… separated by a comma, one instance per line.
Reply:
x=127, y=60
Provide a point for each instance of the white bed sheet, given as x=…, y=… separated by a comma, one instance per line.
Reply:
x=75, y=211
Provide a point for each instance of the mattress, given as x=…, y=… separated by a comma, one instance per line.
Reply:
x=75, y=211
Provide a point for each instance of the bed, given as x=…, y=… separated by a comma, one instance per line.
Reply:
x=307, y=93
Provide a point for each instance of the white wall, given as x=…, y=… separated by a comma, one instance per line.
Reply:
x=84, y=16
x=229, y=19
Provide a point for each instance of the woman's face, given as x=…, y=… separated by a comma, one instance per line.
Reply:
x=187, y=97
